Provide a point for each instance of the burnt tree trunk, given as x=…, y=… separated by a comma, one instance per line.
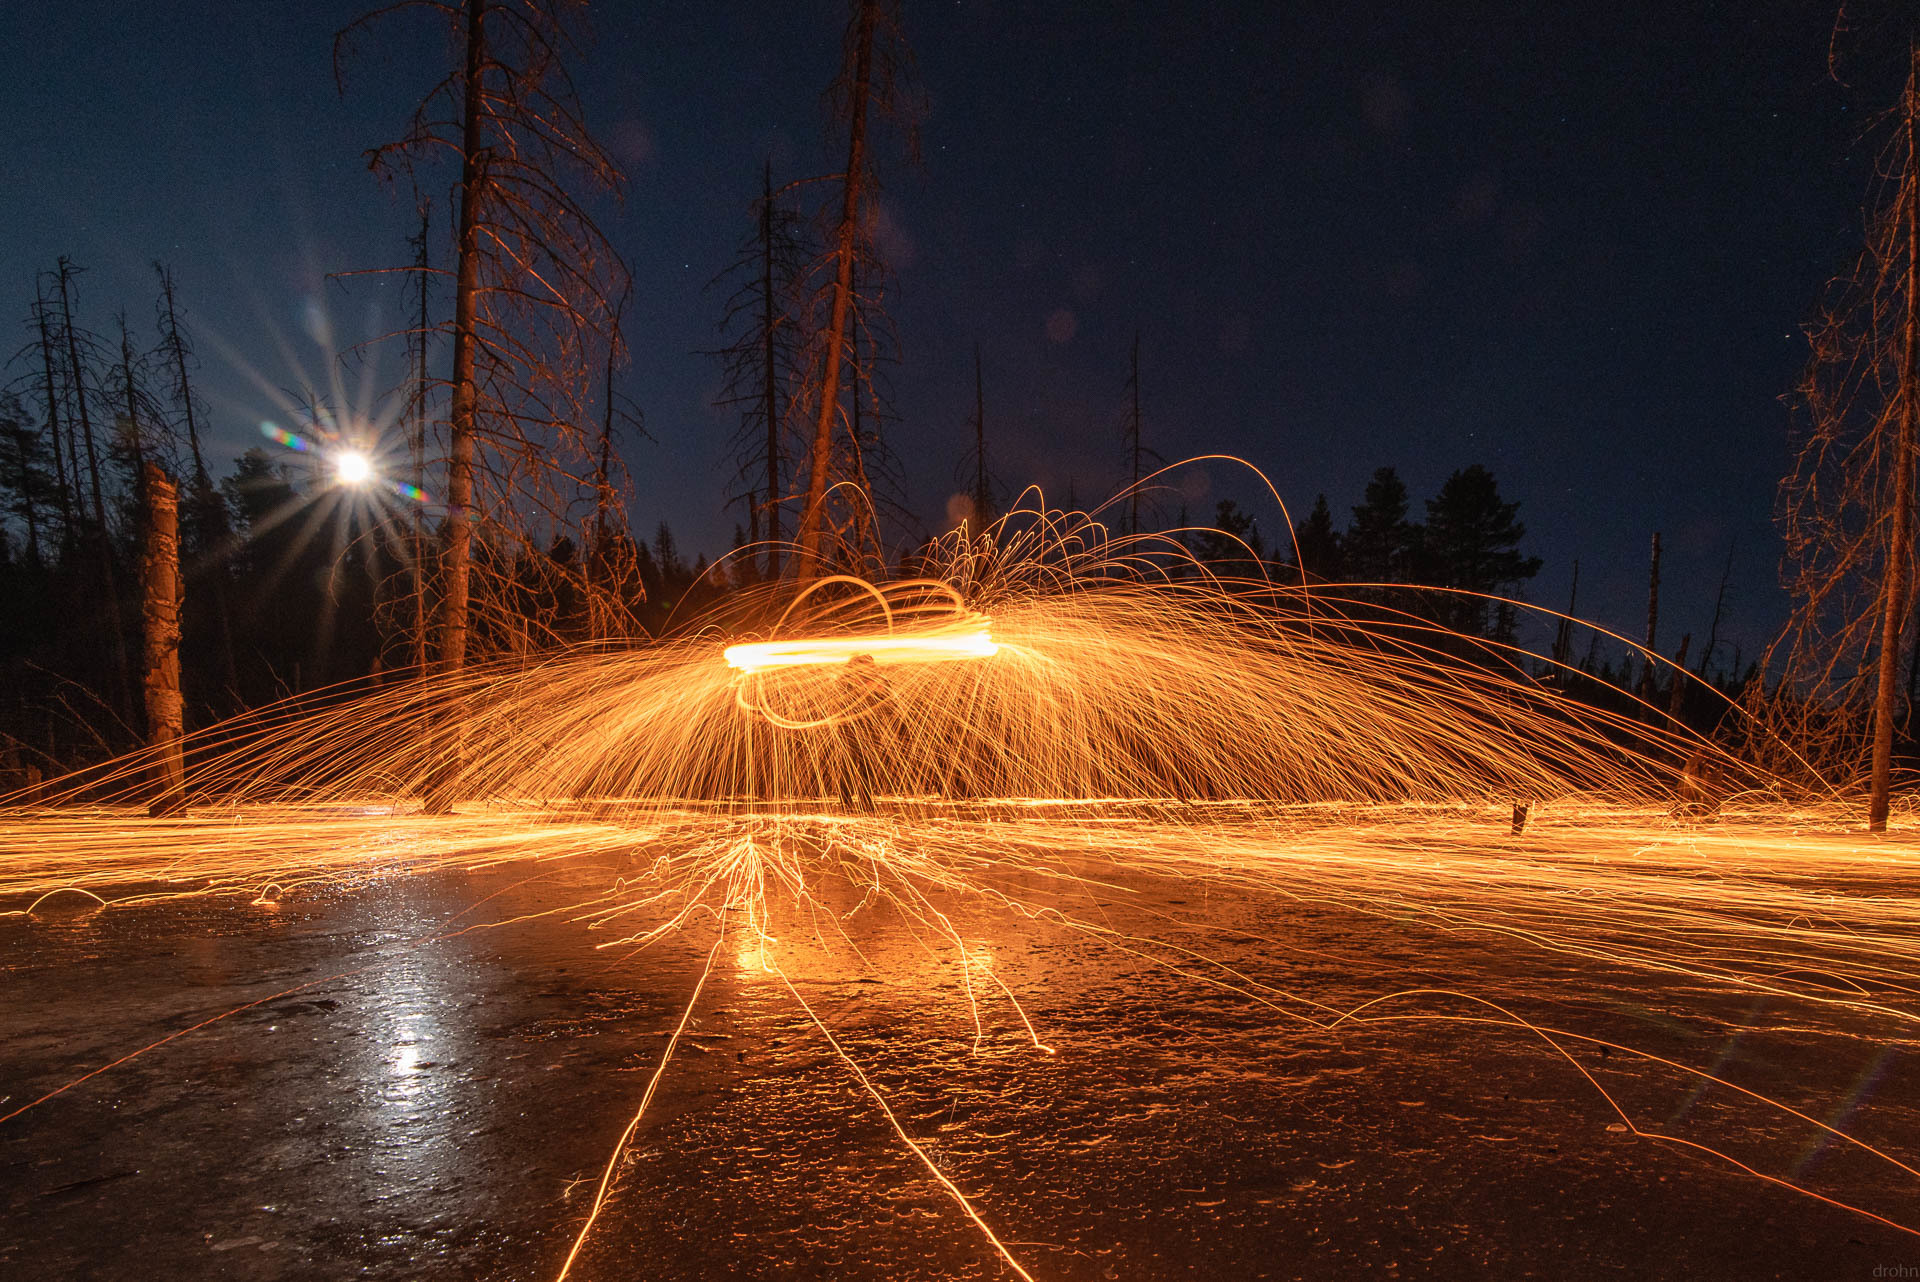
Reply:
x=1677, y=701
x=1133, y=440
x=208, y=511
x=457, y=566
x=1653, y=620
x=982, y=484
x=1563, y=635
x=160, y=578
x=101, y=539
x=769, y=374
x=61, y=491
x=820, y=457
x=418, y=650
x=1893, y=602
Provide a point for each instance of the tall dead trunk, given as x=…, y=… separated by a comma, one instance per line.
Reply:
x=820, y=456
x=417, y=456
x=160, y=576
x=1563, y=635
x=208, y=511
x=176, y=349
x=457, y=554
x=76, y=374
x=460, y=419
x=982, y=486
x=1653, y=620
x=1719, y=613
x=62, y=494
x=1136, y=455
x=101, y=539
x=1900, y=537
x=1677, y=701
x=770, y=374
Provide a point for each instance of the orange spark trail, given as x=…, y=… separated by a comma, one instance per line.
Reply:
x=933, y=1168
x=646, y=1098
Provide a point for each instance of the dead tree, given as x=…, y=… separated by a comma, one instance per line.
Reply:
x=420, y=393
x=209, y=527
x=77, y=370
x=1133, y=439
x=763, y=362
x=1846, y=507
x=52, y=397
x=610, y=572
x=873, y=82
x=1647, y=675
x=80, y=351
x=1719, y=613
x=1563, y=634
x=137, y=422
x=983, y=505
x=160, y=577
x=534, y=280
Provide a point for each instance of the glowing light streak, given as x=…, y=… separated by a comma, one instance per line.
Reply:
x=758, y=656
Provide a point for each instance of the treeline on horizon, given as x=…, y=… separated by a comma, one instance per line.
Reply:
x=296, y=584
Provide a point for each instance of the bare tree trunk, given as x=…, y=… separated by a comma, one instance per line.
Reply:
x=177, y=349
x=61, y=492
x=1719, y=613
x=458, y=553
x=1900, y=539
x=102, y=541
x=982, y=488
x=820, y=459
x=210, y=512
x=769, y=373
x=1563, y=635
x=460, y=424
x=1678, y=699
x=138, y=446
x=417, y=457
x=77, y=372
x=1653, y=620
x=1133, y=440
x=161, y=616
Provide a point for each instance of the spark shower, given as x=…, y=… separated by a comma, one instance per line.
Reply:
x=1041, y=709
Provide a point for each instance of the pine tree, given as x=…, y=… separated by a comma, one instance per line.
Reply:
x=1471, y=544
x=1317, y=545
x=1380, y=543
x=24, y=475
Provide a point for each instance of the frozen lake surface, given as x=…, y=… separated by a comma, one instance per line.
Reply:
x=431, y=1107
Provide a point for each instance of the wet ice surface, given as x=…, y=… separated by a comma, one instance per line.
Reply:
x=440, y=1107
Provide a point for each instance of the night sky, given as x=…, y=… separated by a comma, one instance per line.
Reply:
x=1574, y=246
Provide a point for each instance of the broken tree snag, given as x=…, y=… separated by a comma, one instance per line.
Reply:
x=160, y=616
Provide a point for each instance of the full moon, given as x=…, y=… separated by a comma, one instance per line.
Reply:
x=353, y=469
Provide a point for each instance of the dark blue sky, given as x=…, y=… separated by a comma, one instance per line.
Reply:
x=1573, y=243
